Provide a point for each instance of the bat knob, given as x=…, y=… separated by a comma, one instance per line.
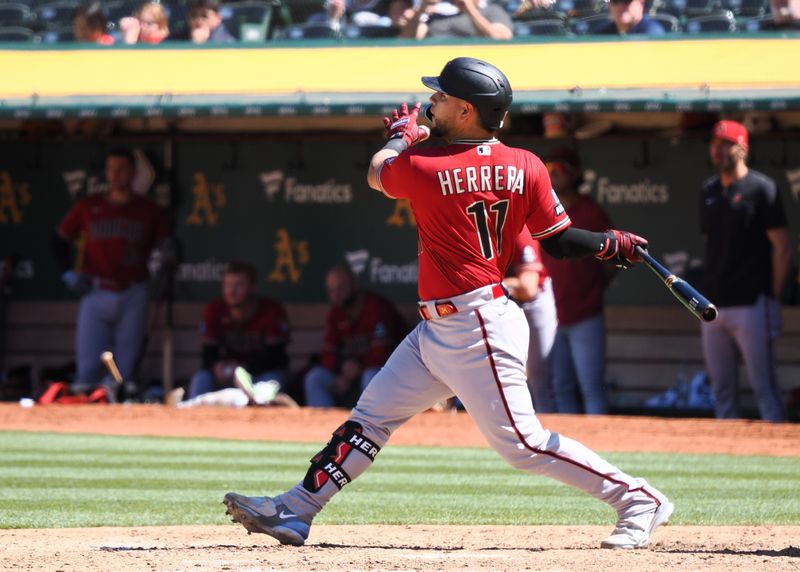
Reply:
x=710, y=313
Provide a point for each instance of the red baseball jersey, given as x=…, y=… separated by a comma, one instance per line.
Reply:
x=471, y=199
x=528, y=256
x=579, y=283
x=244, y=341
x=369, y=337
x=119, y=238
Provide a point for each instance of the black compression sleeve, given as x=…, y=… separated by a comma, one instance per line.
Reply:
x=573, y=243
x=62, y=252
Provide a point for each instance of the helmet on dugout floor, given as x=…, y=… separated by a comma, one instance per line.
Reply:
x=477, y=82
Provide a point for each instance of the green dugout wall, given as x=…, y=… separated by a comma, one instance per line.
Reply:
x=293, y=206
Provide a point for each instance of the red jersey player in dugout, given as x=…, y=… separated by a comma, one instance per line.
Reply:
x=471, y=197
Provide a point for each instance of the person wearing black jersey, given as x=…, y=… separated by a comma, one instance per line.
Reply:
x=748, y=252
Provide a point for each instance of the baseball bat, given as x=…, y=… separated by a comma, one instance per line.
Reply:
x=686, y=294
x=111, y=365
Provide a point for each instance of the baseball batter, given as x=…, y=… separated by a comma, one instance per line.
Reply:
x=471, y=198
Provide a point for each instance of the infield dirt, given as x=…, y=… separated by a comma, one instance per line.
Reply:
x=427, y=548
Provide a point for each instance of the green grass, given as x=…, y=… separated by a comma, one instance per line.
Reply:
x=67, y=480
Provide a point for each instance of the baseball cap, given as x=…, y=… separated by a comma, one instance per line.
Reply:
x=732, y=131
x=566, y=156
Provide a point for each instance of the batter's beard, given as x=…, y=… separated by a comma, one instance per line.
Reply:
x=437, y=131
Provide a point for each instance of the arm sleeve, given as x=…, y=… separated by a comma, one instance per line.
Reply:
x=70, y=228
x=573, y=243
x=547, y=216
x=394, y=176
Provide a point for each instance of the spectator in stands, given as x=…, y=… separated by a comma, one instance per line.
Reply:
x=785, y=15
x=89, y=24
x=748, y=254
x=361, y=331
x=241, y=328
x=400, y=13
x=149, y=25
x=458, y=19
x=359, y=12
x=628, y=17
x=578, y=356
x=116, y=232
x=205, y=23
x=531, y=287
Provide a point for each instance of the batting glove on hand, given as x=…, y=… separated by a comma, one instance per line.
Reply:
x=76, y=282
x=403, y=125
x=619, y=248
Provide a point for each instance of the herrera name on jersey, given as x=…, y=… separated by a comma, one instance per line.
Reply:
x=481, y=179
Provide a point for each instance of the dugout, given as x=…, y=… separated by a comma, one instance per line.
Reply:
x=260, y=154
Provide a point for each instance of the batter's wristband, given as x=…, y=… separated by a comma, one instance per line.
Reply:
x=398, y=145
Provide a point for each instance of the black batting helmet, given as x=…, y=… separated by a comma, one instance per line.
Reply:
x=479, y=83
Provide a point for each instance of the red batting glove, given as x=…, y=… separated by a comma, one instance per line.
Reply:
x=404, y=125
x=619, y=248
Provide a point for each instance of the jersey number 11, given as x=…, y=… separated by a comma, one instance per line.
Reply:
x=481, y=216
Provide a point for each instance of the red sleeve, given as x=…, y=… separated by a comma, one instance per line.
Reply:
x=547, y=216
x=74, y=221
x=209, y=329
x=387, y=329
x=394, y=176
x=328, y=357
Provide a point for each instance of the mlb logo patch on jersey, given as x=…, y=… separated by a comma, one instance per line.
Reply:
x=484, y=150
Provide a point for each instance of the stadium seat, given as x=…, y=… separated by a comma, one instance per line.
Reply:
x=541, y=14
x=248, y=21
x=16, y=14
x=295, y=12
x=680, y=8
x=553, y=27
x=115, y=11
x=63, y=36
x=589, y=25
x=17, y=34
x=721, y=22
x=580, y=8
x=748, y=8
x=671, y=24
x=355, y=32
x=57, y=14
x=309, y=32
x=753, y=24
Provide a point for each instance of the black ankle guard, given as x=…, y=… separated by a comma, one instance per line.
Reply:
x=327, y=464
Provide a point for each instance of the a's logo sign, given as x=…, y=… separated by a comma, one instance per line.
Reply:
x=290, y=258
x=357, y=260
x=402, y=214
x=207, y=198
x=13, y=198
